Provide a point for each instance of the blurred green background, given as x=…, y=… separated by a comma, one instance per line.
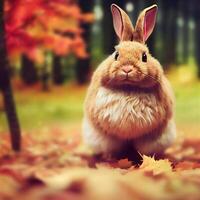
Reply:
x=50, y=93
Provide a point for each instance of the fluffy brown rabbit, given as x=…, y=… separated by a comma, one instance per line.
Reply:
x=129, y=98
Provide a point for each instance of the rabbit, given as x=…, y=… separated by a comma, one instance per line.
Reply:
x=129, y=98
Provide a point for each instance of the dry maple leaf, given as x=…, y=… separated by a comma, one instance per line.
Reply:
x=157, y=167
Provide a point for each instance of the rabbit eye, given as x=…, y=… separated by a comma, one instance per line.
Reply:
x=144, y=57
x=116, y=55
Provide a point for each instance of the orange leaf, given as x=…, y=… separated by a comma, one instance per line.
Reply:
x=155, y=166
x=124, y=163
x=186, y=165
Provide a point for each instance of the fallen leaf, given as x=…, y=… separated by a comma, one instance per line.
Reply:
x=155, y=166
x=124, y=163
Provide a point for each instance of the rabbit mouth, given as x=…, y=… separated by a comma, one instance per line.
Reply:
x=130, y=75
x=130, y=80
x=127, y=84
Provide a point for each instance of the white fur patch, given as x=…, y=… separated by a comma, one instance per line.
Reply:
x=127, y=114
x=100, y=143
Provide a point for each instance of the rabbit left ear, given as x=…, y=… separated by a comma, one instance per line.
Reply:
x=122, y=23
x=145, y=23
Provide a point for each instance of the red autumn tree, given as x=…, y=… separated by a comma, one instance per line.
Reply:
x=36, y=26
x=33, y=27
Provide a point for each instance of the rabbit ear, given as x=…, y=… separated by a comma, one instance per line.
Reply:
x=122, y=23
x=145, y=23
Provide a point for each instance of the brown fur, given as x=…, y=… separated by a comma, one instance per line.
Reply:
x=134, y=106
x=157, y=87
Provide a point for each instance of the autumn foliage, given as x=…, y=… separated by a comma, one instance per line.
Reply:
x=61, y=167
x=34, y=27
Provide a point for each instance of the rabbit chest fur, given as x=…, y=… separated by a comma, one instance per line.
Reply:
x=126, y=115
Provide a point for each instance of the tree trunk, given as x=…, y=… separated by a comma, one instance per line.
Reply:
x=6, y=89
x=197, y=38
x=83, y=64
x=45, y=78
x=28, y=71
x=109, y=36
x=57, y=73
x=169, y=32
x=186, y=14
x=197, y=48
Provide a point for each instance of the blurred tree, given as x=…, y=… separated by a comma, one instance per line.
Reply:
x=185, y=9
x=5, y=86
x=183, y=39
x=29, y=73
x=57, y=71
x=30, y=33
x=45, y=74
x=196, y=8
x=83, y=64
x=169, y=31
x=109, y=36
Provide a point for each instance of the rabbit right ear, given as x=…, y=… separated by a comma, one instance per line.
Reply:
x=122, y=23
x=145, y=23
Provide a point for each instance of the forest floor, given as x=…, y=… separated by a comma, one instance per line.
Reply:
x=63, y=168
x=54, y=163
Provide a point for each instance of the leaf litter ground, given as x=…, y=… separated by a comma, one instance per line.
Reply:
x=61, y=167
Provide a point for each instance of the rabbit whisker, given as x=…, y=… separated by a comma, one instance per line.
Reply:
x=151, y=77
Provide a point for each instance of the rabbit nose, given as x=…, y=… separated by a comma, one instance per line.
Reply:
x=127, y=68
